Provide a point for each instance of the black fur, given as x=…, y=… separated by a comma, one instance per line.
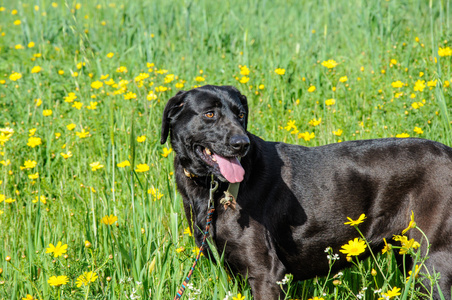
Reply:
x=294, y=200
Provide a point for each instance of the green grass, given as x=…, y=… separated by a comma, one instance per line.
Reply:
x=137, y=254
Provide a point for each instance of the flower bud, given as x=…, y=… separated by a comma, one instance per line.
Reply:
x=88, y=244
x=108, y=278
x=374, y=272
x=8, y=258
x=349, y=258
x=337, y=282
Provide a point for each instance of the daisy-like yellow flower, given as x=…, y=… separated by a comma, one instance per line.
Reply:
x=130, y=95
x=17, y=22
x=338, y=132
x=179, y=85
x=280, y=71
x=15, y=76
x=188, y=231
x=34, y=176
x=141, y=139
x=41, y=198
x=446, y=51
x=47, y=112
x=142, y=168
x=28, y=297
x=419, y=85
x=34, y=141
x=36, y=69
x=244, y=71
x=244, y=79
x=356, y=222
x=343, y=79
x=121, y=69
x=354, y=248
x=109, y=220
x=406, y=244
x=416, y=273
x=123, y=164
x=411, y=225
x=92, y=105
x=392, y=293
x=110, y=54
x=97, y=84
x=290, y=125
x=70, y=97
x=86, y=278
x=200, y=79
x=314, y=122
x=66, y=155
x=152, y=96
x=57, y=250
x=96, y=166
x=180, y=249
x=10, y=200
x=311, y=89
x=330, y=63
x=78, y=105
x=70, y=126
x=1, y=212
x=82, y=134
x=418, y=130
x=58, y=280
x=166, y=151
x=238, y=297
x=161, y=89
x=306, y=136
x=387, y=247
x=397, y=84
x=316, y=298
x=330, y=102
x=29, y=164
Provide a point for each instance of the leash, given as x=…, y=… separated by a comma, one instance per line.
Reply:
x=211, y=209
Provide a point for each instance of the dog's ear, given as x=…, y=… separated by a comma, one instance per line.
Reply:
x=172, y=107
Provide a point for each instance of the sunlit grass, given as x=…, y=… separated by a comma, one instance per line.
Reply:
x=314, y=72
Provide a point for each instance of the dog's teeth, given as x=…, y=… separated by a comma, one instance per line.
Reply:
x=208, y=151
x=213, y=158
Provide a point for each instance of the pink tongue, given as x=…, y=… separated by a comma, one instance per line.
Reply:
x=230, y=168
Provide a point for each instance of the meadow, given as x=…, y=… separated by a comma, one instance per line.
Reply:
x=88, y=203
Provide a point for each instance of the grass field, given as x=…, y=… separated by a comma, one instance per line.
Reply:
x=82, y=89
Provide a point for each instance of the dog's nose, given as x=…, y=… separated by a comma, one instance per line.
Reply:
x=239, y=142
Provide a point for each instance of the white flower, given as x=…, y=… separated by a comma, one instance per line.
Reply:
x=328, y=249
x=228, y=294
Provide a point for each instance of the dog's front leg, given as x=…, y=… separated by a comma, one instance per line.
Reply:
x=265, y=287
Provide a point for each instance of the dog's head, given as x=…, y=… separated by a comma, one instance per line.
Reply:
x=208, y=130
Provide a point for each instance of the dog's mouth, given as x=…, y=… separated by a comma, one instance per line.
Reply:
x=229, y=167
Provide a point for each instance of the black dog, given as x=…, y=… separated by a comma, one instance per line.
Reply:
x=293, y=200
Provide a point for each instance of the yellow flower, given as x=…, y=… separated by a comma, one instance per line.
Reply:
x=42, y=198
x=411, y=225
x=82, y=134
x=397, y=84
x=392, y=293
x=178, y=250
x=338, y=132
x=306, y=136
x=161, y=89
x=96, y=166
x=47, y=112
x=419, y=85
x=244, y=71
x=34, y=141
x=402, y=135
x=36, y=69
x=432, y=83
x=386, y=248
x=2, y=198
x=406, y=244
x=31, y=44
x=141, y=139
x=17, y=22
x=66, y=155
x=70, y=97
x=123, y=164
x=142, y=168
x=130, y=95
x=238, y=297
x=10, y=200
x=15, y=76
x=330, y=102
x=188, y=231
x=418, y=130
x=18, y=47
x=168, y=78
x=121, y=69
x=290, y=125
x=109, y=220
x=280, y=71
x=28, y=297
x=179, y=85
x=356, y=222
x=1, y=212
x=29, y=164
x=314, y=122
x=311, y=89
x=110, y=54
x=97, y=84
x=416, y=273
x=155, y=193
x=70, y=126
x=166, y=151
x=244, y=79
x=343, y=79
x=446, y=51
x=34, y=176
x=393, y=61
x=354, y=248
x=57, y=250
x=92, y=105
x=261, y=86
x=329, y=63
x=199, y=79
x=316, y=298
x=78, y=105
x=58, y=281
x=86, y=278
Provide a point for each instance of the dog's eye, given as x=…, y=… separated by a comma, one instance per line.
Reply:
x=241, y=115
x=210, y=114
